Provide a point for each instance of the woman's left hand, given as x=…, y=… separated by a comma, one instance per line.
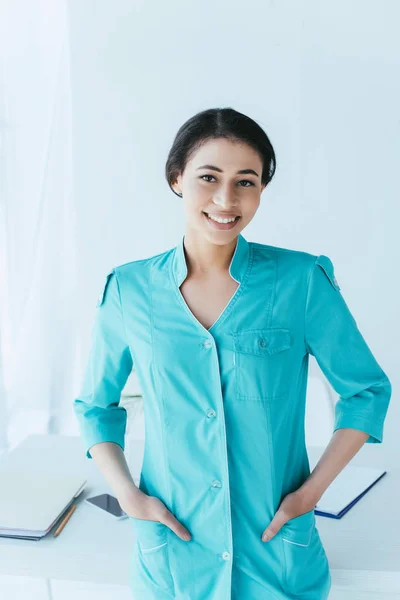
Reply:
x=293, y=505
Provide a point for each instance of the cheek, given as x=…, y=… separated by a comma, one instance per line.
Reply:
x=195, y=198
x=247, y=211
x=196, y=188
x=193, y=206
x=251, y=205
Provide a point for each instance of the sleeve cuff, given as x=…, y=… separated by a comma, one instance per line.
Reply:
x=362, y=423
x=120, y=442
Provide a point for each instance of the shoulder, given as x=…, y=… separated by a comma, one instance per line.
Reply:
x=295, y=262
x=285, y=256
x=143, y=264
x=134, y=274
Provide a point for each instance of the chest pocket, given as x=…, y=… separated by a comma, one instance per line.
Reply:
x=262, y=363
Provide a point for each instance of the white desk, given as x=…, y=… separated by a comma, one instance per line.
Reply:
x=363, y=547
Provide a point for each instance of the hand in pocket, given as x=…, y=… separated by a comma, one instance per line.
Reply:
x=293, y=505
x=150, y=508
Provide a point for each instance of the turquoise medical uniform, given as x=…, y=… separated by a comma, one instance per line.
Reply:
x=224, y=416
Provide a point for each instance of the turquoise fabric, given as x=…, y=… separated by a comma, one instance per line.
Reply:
x=224, y=416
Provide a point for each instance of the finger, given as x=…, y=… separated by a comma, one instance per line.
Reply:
x=277, y=522
x=172, y=522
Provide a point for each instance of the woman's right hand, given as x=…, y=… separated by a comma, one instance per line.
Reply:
x=150, y=508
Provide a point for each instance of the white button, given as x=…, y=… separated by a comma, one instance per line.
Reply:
x=216, y=483
x=207, y=344
x=226, y=555
x=211, y=413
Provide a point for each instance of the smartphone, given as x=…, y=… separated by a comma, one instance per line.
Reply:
x=109, y=504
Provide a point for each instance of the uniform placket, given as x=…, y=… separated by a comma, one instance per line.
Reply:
x=210, y=345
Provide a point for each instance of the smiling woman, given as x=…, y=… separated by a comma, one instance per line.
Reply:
x=211, y=154
x=219, y=330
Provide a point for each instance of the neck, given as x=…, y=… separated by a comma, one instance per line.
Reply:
x=204, y=257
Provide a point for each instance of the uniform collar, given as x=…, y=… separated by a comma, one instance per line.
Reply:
x=237, y=267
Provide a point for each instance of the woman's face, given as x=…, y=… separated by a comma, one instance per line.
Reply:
x=212, y=184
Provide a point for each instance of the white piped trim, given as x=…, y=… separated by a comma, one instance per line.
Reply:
x=146, y=550
x=295, y=543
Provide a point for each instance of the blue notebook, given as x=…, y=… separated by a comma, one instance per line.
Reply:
x=350, y=485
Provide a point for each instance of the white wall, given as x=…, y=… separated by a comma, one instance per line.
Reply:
x=320, y=77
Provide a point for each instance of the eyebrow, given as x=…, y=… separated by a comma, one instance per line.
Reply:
x=242, y=171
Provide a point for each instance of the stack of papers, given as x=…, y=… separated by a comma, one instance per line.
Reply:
x=32, y=503
x=351, y=484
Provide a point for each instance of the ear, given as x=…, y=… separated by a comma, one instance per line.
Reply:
x=176, y=185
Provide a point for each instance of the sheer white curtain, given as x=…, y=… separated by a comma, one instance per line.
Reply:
x=38, y=341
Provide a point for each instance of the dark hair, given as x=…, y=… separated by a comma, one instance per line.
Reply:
x=218, y=123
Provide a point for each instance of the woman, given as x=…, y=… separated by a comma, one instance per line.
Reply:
x=219, y=331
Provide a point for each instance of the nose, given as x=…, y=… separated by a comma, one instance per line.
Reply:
x=225, y=199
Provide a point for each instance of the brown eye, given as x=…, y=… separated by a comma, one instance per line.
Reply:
x=242, y=181
x=246, y=181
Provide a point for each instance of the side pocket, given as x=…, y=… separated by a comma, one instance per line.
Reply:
x=153, y=554
x=306, y=569
x=298, y=531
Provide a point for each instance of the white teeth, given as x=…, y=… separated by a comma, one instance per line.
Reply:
x=219, y=220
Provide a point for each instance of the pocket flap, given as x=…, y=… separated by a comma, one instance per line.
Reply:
x=299, y=530
x=262, y=341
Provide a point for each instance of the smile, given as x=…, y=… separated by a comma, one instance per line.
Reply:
x=221, y=223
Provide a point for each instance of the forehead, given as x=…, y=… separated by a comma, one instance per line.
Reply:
x=225, y=154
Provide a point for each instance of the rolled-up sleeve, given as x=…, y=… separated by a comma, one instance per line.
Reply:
x=334, y=339
x=100, y=417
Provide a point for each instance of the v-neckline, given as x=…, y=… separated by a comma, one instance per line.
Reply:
x=221, y=315
x=239, y=269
